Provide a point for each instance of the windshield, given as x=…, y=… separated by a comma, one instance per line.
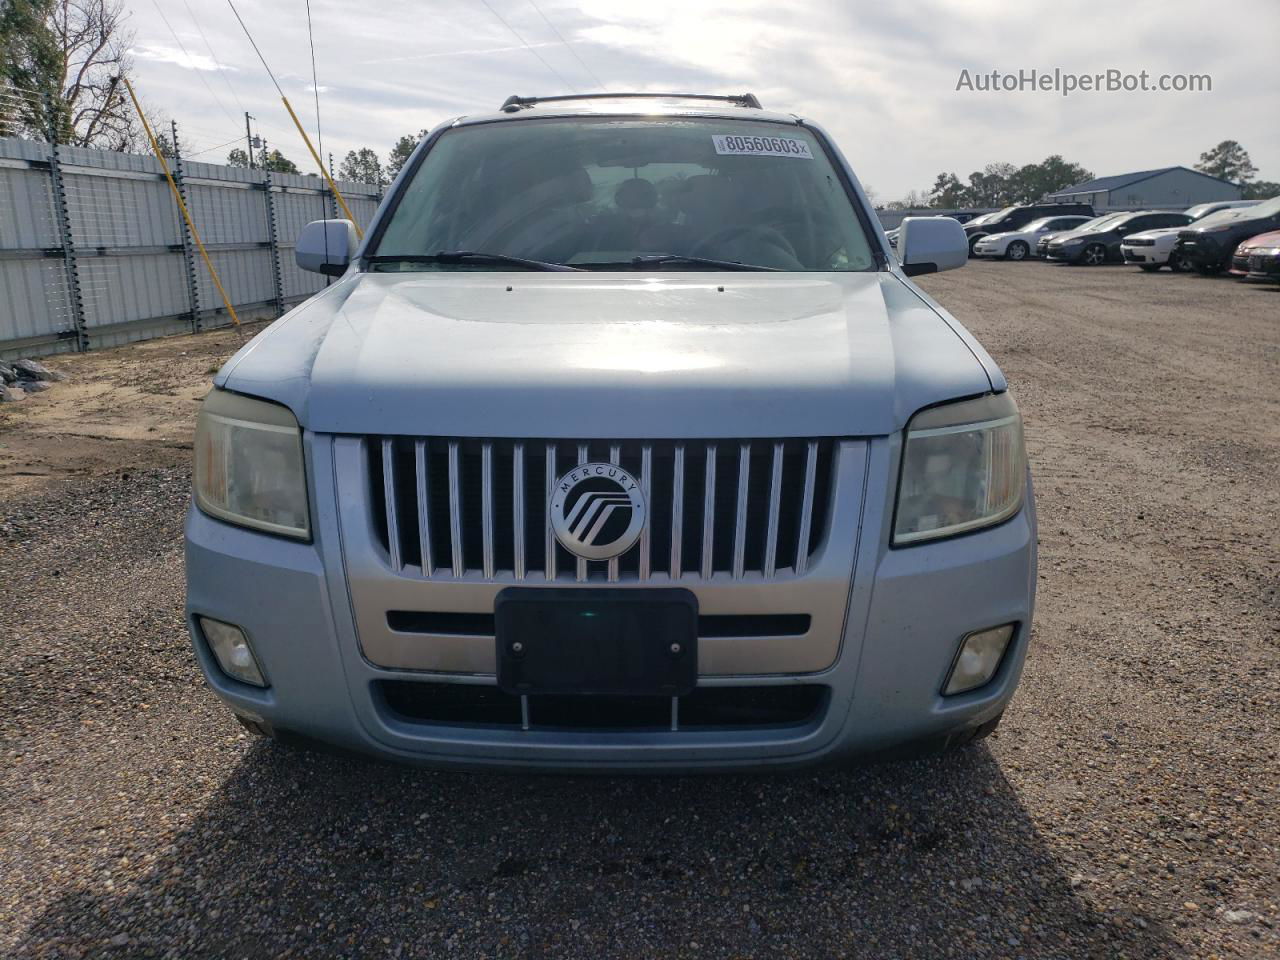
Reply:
x=599, y=193
x=1040, y=224
x=991, y=217
x=1101, y=224
x=1268, y=208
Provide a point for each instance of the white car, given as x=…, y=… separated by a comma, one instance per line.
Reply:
x=1020, y=244
x=1153, y=249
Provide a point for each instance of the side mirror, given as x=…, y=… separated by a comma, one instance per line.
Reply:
x=931, y=245
x=326, y=246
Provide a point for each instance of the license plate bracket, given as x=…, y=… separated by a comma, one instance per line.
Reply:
x=604, y=641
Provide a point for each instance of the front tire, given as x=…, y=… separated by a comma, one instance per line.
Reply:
x=973, y=242
x=1094, y=255
x=1179, y=262
x=1016, y=251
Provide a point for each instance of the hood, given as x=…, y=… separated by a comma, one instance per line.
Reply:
x=612, y=355
x=1262, y=241
x=1071, y=236
x=1156, y=234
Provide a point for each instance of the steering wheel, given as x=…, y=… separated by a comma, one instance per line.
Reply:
x=765, y=235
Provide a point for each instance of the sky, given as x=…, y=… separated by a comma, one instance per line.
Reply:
x=880, y=77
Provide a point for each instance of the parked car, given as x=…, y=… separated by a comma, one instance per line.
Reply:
x=1016, y=217
x=1151, y=249
x=1256, y=258
x=1208, y=244
x=736, y=495
x=1101, y=243
x=1042, y=244
x=1020, y=244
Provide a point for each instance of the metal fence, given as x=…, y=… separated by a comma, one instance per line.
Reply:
x=94, y=252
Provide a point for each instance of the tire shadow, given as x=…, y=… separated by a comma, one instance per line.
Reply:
x=308, y=854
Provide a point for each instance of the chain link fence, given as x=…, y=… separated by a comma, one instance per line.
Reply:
x=94, y=251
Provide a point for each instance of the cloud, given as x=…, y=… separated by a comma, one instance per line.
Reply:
x=177, y=57
x=879, y=77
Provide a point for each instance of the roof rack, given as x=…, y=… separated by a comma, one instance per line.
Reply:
x=515, y=103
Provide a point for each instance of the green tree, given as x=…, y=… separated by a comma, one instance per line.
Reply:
x=1036, y=180
x=238, y=157
x=277, y=162
x=362, y=166
x=948, y=192
x=401, y=152
x=1259, y=190
x=1228, y=160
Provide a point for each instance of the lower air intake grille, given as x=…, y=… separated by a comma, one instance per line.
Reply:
x=479, y=705
x=466, y=508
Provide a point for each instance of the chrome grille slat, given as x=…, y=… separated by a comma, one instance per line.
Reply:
x=740, y=518
x=549, y=561
x=455, y=511
x=775, y=506
x=709, y=514
x=486, y=507
x=425, y=548
x=806, y=507
x=389, y=493
x=677, y=510
x=442, y=509
x=517, y=510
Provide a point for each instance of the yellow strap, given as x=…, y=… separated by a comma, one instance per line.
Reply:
x=177, y=195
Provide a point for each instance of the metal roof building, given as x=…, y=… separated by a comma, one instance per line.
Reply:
x=1168, y=187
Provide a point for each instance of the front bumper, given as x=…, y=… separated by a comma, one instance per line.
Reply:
x=1063, y=254
x=1203, y=251
x=1265, y=266
x=907, y=610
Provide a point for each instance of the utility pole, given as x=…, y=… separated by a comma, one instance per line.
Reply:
x=248, y=137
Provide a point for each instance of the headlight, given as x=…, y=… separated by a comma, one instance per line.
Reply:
x=249, y=465
x=963, y=467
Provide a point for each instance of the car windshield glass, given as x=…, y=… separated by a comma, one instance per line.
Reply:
x=1102, y=224
x=1268, y=208
x=652, y=194
x=1040, y=224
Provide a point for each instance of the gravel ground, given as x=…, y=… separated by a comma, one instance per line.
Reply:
x=1129, y=805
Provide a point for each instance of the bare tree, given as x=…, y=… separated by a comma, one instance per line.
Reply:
x=95, y=40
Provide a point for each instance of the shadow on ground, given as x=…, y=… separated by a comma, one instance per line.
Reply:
x=308, y=854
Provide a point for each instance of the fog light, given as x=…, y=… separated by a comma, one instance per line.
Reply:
x=980, y=655
x=231, y=648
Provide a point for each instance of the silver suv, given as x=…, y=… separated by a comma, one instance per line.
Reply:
x=623, y=442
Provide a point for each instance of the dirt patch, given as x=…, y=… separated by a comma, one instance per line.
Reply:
x=123, y=408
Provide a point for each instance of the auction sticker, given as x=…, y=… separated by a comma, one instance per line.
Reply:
x=735, y=145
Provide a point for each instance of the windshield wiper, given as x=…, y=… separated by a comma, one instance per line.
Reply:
x=471, y=256
x=657, y=258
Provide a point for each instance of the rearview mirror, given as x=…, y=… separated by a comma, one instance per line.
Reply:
x=326, y=246
x=931, y=245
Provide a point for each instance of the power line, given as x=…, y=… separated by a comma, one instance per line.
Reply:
x=276, y=83
x=236, y=139
x=315, y=86
x=208, y=46
x=568, y=46
x=525, y=44
x=183, y=47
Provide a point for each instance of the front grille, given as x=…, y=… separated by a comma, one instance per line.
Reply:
x=483, y=705
x=465, y=508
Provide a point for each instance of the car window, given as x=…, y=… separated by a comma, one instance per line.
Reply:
x=601, y=191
